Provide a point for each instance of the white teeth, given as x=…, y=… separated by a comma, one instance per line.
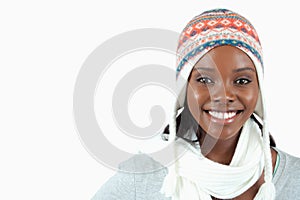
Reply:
x=226, y=115
x=222, y=115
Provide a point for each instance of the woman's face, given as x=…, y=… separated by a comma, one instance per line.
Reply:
x=223, y=91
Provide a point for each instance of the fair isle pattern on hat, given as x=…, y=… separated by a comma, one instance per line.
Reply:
x=215, y=28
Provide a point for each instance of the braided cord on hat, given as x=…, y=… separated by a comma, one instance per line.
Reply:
x=267, y=189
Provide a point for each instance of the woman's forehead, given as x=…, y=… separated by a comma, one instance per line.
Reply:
x=224, y=57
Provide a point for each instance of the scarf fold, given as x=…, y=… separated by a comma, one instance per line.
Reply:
x=195, y=177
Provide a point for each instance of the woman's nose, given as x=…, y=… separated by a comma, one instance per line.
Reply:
x=223, y=93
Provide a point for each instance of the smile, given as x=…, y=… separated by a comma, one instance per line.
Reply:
x=223, y=117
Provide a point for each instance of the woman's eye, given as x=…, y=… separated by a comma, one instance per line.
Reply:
x=242, y=81
x=205, y=80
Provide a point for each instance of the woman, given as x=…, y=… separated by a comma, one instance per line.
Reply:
x=222, y=125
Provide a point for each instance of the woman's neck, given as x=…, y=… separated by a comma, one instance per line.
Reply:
x=217, y=150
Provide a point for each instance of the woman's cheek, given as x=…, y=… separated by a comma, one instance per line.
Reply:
x=194, y=101
x=251, y=98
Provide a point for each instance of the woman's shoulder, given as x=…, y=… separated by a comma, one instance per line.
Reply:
x=287, y=176
x=290, y=163
x=139, y=177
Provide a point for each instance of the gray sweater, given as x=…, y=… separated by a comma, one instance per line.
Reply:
x=144, y=186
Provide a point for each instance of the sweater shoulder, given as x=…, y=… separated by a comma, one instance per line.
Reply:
x=139, y=177
x=287, y=177
x=290, y=163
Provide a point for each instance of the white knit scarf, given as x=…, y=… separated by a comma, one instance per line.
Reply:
x=195, y=177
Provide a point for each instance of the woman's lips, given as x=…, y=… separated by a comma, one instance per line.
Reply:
x=223, y=117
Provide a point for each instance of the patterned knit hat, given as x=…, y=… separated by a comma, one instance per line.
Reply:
x=206, y=31
x=212, y=29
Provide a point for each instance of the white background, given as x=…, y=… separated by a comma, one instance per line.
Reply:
x=43, y=45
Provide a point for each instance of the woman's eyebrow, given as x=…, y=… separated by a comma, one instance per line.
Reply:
x=244, y=69
x=204, y=69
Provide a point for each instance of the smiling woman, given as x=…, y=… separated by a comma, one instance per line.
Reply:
x=220, y=120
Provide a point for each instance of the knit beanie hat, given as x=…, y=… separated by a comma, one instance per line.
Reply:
x=204, y=32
